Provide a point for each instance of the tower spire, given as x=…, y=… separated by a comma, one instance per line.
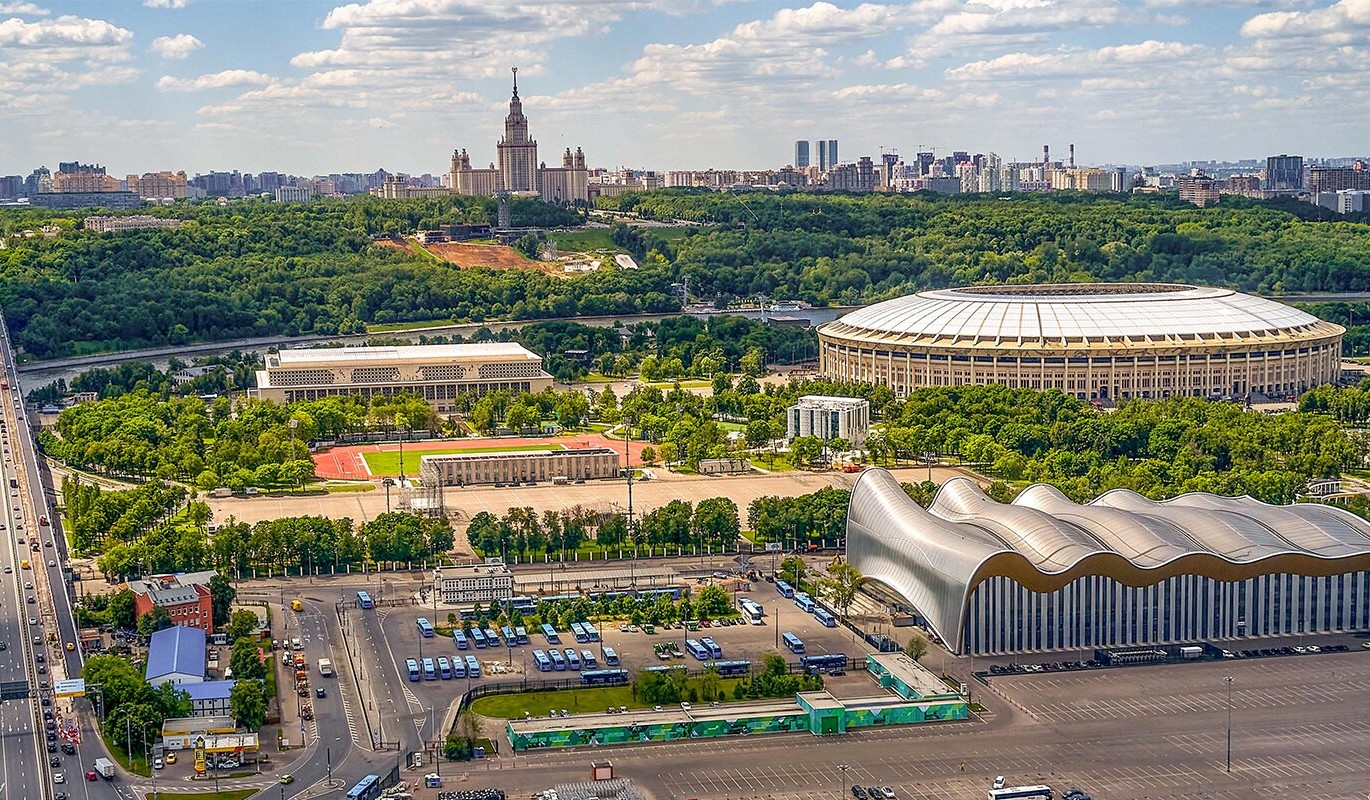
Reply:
x=516, y=81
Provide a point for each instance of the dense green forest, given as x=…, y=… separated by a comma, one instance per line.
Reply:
x=255, y=268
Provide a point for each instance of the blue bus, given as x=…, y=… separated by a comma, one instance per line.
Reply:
x=430, y=672
x=558, y=660
x=510, y=638
x=792, y=642
x=673, y=592
x=524, y=604
x=364, y=601
x=543, y=663
x=572, y=659
x=413, y=667
x=591, y=631
x=821, y=663
x=478, y=637
x=714, y=650
x=752, y=611
x=368, y=788
x=491, y=638
x=727, y=668
x=460, y=639
x=425, y=628
x=603, y=677
x=785, y=589
x=458, y=667
x=472, y=667
x=1021, y=793
x=822, y=615
x=588, y=659
x=610, y=657
x=521, y=635
x=444, y=668
x=550, y=634
x=803, y=601
x=579, y=631
x=696, y=649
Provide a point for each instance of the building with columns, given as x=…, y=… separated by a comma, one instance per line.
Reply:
x=517, y=169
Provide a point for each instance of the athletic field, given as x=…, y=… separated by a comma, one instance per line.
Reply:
x=366, y=461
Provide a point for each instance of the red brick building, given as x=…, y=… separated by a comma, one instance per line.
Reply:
x=185, y=596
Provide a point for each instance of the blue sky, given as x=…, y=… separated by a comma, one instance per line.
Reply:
x=306, y=87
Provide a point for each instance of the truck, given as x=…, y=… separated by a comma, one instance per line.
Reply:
x=326, y=667
x=104, y=768
x=1191, y=652
x=222, y=491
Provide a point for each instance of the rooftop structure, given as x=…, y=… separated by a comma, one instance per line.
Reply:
x=520, y=466
x=475, y=583
x=184, y=595
x=1046, y=573
x=1096, y=341
x=176, y=655
x=437, y=372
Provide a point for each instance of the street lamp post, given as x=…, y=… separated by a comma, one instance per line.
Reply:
x=1229, y=680
x=842, y=768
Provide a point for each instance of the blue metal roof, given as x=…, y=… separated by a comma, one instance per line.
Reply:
x=178, y=649
x=209, y=690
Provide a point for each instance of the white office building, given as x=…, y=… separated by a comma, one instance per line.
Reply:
x=829, y=418
x=475, y=584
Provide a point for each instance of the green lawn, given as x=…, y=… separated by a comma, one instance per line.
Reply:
x=387, y=462
x=137, y=764
x=232, y=794
x=585, y=240
x=512, y=706
x=684, y=384
x=782, y=462
x=342, y=488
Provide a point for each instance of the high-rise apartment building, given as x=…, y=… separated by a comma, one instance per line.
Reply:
x=801, y=154
x=1284, y=174
x=827, y=154
x=1199, y=189
x=1336, y=179
x=158, y=185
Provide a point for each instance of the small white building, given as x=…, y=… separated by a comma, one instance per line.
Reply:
x=829, y=418
x=475, y=584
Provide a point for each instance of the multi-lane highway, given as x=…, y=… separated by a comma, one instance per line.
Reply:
x=35, y=633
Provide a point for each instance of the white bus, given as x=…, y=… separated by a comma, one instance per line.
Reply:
x=1021, y=792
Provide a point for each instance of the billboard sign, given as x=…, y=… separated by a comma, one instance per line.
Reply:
x=74, y=687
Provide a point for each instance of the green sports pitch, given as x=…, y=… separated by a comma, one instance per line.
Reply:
x=387, y=462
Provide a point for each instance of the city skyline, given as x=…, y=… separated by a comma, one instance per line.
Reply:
x=316, y=86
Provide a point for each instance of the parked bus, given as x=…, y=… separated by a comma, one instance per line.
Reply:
x=413, y=667
x=665, y=668
x=491, y=638
x=591, y=631
x=822, y=615
x=444, y=668
x=728, y=668
x=543, y=663
x=550, y=634
x=804, y=602
x=610, y=657
x=364, y=601
x=472, y=667
x=521, y=634
x=752, y=612
x=478, y=638
x=1019, y=792
x=510, y=638
x=714, y=650
x=792, y=642
x=696, y=649
x=460, y=639
x=572, y=659
x=588, y=658
x=558, y=660
x=785, y=589
x=524, y=604
x=603, y=677
x=430, y=671
x=425, y=628
x=368, y=788
x=458, y=667
x=824, y=662
x=578, y=631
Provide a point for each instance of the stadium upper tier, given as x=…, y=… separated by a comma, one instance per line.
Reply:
x=1092, y=340
x=938, y=557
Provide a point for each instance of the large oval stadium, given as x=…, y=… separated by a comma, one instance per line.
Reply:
x=1095, y=341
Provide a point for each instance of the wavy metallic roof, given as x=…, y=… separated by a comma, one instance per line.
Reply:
x=1057, y=312
x=936, y=557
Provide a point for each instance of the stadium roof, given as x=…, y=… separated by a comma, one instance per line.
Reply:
x=178, y=650
x=1077, y=311
x=1043, y=540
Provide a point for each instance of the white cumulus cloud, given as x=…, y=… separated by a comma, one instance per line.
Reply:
x=1342, y=23
x=214, y=80
x=175, y=47
x=20, y=7
x=165, y=3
